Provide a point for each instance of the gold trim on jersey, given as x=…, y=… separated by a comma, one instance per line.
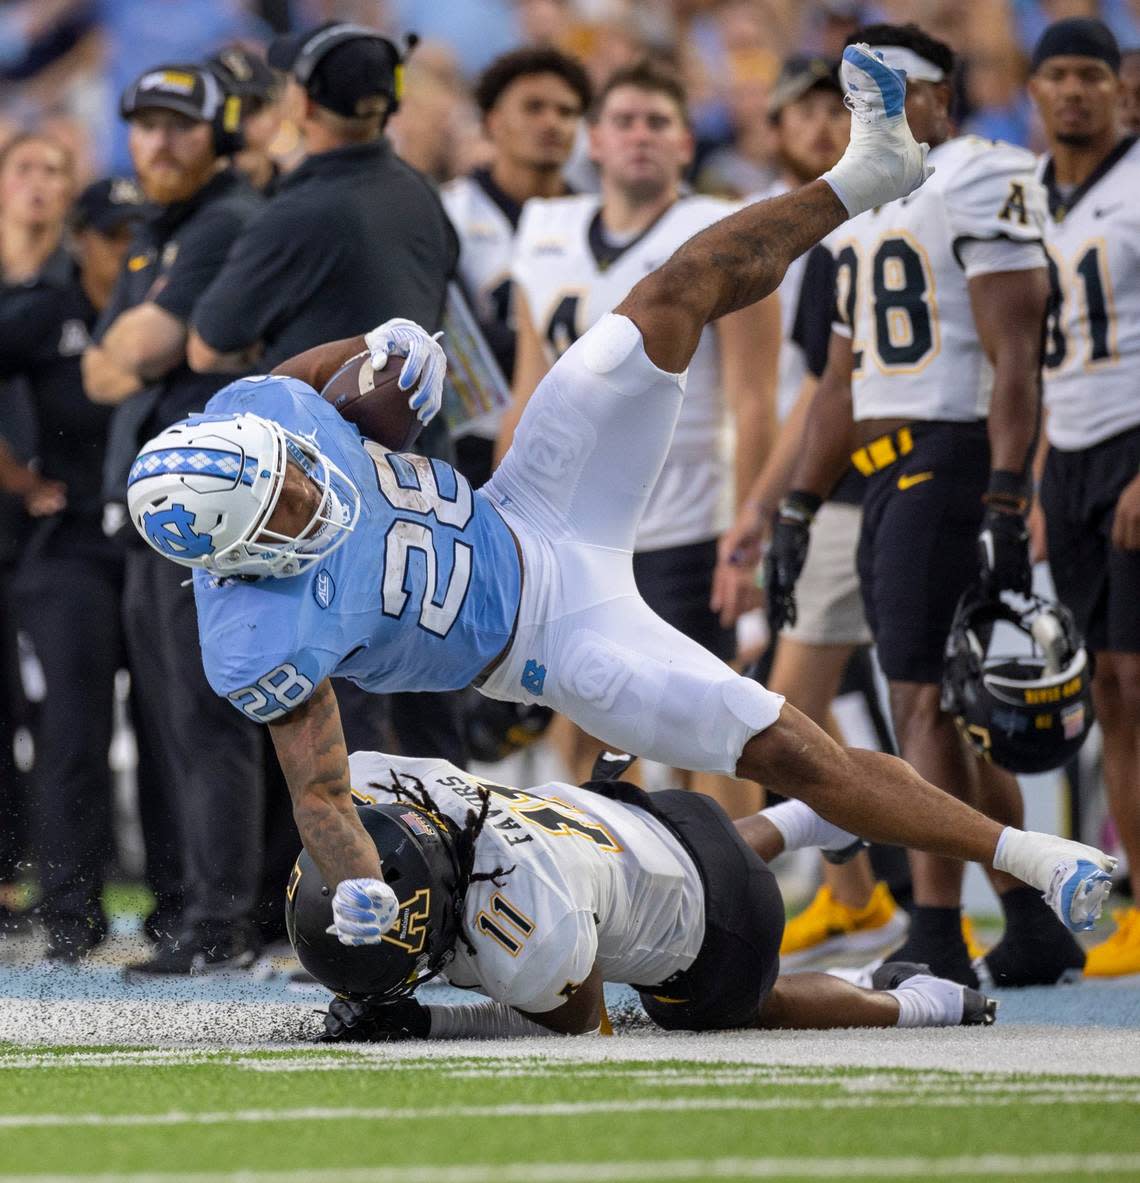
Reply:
x=513, y=916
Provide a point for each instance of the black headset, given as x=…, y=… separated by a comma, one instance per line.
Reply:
x=222, y=109
x=324, y=41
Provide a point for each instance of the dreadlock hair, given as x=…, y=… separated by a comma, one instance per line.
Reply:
x=462, y=839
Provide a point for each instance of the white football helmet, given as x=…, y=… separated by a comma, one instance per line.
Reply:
x=202, y=491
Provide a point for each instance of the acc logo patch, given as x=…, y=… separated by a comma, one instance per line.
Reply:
x=172, y=532
x=324, y=589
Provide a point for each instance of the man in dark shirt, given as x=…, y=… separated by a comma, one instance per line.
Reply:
x=69, y=570
x=183, y=129
x=352, y=237
x=245, y=74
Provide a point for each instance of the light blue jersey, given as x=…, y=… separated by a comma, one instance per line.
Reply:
x=422, y=596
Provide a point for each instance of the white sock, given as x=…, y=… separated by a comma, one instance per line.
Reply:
x=926, y=1001
x=801, y=826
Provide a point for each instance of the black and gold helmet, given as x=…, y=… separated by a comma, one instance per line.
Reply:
x=418, y=854
x=1028, y=711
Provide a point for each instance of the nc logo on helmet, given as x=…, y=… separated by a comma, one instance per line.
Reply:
x=172, y=532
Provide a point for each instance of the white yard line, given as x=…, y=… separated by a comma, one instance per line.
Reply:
x=993, y=1165
x=650, y=1105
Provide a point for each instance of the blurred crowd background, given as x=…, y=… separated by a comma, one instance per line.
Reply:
x=63, y=63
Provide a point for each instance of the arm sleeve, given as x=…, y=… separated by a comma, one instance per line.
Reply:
x=995, y=195
x=816, y=310
x=202, y=251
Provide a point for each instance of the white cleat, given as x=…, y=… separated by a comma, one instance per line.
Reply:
x=882, y=162
x=1075, y=878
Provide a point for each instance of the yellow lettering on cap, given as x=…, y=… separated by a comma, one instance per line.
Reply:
x=137, y=262
x=231, y=113
x=178, y=80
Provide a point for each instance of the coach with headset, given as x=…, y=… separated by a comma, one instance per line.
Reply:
x=203, y=835
x=352, y=237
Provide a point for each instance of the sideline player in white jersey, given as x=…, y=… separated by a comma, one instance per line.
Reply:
x=936, y=357
x=537, y=897
x=532, y=102
x=850, y=911
x=1090, y=483
x=575, y=260
x=317, y=556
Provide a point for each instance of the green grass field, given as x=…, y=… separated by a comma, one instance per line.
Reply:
x=361, y=1115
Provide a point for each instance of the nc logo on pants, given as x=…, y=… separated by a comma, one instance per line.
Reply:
x=172, y=532
x=533, y=677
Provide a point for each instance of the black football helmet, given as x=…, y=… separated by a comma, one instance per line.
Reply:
x=418, y=851
x=1028, y=712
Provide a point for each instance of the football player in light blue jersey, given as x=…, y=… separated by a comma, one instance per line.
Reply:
x=447, y=552
x=319, y=553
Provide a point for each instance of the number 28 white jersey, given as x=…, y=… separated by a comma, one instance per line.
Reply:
x=570, y=280
x=1092, y=347
x=902, y=288
x=594, y=881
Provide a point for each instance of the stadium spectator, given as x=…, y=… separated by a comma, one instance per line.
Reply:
x=70, y=570
x=35, y=186
x=203, y=837
x=1130, y=91
x=352, y=236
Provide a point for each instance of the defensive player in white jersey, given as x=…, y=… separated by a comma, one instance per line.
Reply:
x=936, y=357
x=850, y=911
x=1090, y=482
x=536, y=897
x=575, y=259
x=532, y=102
x=316, y=556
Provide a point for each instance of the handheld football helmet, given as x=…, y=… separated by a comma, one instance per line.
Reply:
x=418, y=853
x=1028, y=712
x=202, y=492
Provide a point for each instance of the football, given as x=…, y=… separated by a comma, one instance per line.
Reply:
x=373, y=401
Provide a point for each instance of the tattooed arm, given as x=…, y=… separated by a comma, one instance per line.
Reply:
x=731, y=264
x=310, y=745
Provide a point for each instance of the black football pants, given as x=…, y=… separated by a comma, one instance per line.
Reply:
x=209, y=757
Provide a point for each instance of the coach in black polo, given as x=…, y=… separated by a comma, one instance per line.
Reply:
x=351, y=237
x=183, y=131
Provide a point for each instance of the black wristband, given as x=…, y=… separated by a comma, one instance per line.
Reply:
x=801, y=506
x=1007, y=490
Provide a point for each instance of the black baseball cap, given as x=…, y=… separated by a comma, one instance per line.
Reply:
x=108, y=205
x=352, y=77
x=800, y=75
x=244, y=73
x=189, y=89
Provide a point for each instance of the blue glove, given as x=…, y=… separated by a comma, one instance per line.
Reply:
x=363, y=911
x=424, y=369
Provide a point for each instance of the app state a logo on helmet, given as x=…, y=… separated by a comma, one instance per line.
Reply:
x=411, y=928
x=171, y=531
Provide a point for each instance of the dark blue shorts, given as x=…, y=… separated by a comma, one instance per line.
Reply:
x=918, y=550
x=1096, y=581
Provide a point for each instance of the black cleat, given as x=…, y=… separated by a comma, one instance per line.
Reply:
x=977, y=1009
x=610, y=766
x=1022, y=960
x=947, y=958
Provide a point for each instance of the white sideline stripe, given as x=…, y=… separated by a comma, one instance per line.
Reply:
x=16, y=1121
x=995, y=1165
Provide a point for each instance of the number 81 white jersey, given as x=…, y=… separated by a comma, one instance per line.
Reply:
x=594, y=881
x=902, y=288
x=1092, y=347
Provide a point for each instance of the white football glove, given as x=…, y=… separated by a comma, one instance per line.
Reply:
x=424, y=369
x=363, y=911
